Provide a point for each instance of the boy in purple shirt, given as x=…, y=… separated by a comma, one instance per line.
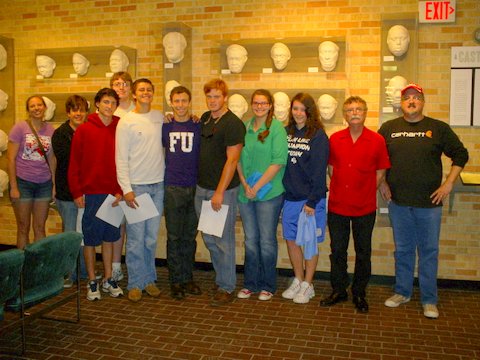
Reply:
x=181, y=139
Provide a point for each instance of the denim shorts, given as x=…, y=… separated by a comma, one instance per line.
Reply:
x=291, y=212
x=30, y=191
x=96, y=231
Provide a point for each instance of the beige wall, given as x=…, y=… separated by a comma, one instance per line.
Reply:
x=137, y=24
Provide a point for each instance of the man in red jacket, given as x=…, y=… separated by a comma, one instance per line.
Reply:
x=92, y=177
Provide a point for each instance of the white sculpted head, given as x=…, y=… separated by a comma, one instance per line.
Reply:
x=168, y=89
x=80, y=64
x=394, y=90
x=281, y=106
x=398, y=40
x=327, y=106
x=118, y=61
x=174, y=44
x=280, y=54
x=328, y=55
x=3, y=141
x=3, y=100
x=51, y=107
x=3, y=57
x=238, y=105
x=45, y=65
x=3, y=182
x=237, y=56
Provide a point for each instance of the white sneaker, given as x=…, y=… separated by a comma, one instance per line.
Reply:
x=292, y=290
x=244, y=294
x=430, y=311
x=93, y=292
x=305, y=294
x=117, y=274
x=110, y=286
x=396, y=300
x=265, y=295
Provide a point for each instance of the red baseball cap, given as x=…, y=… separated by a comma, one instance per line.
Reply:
x=412, y=86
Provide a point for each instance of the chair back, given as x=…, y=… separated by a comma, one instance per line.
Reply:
x=46, y=263
x=11, y=263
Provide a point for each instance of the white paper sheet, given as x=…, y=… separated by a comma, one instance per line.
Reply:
x=212, y=222
x=146, y=209
x=109, y=214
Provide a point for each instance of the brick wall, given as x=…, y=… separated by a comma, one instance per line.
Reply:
x=133, y=23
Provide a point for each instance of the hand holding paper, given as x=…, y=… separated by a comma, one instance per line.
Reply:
x=212, y=222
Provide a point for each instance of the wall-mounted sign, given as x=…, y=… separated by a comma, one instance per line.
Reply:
x=465, y=86
x=436, y=11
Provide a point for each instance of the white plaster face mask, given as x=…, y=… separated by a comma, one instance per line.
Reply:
x=398, y=40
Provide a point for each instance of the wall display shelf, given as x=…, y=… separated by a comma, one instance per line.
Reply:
x=396, y=70
x=337, y=94
x=7, y=84
x=98, y=56
x=177, y=55
x=304, y=55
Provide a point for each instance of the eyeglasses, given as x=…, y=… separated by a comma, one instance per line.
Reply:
x=358, y=110
x=119, y=84
x=414, y=97
x=262, y=104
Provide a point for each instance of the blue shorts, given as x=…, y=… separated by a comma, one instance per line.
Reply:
x=291, y=212
x=30, y=191
x=96, y=231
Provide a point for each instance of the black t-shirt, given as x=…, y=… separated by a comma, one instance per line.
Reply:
x=61, y=143
x=415, y=151
x=217, y=135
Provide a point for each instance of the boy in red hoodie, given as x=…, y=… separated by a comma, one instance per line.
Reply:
x=92, y=177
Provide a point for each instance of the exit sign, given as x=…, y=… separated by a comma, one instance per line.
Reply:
x=436, y=11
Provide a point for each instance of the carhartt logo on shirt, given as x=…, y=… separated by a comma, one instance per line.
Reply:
x=412, y=134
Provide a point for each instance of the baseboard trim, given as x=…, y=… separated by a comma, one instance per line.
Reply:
x=386, y=280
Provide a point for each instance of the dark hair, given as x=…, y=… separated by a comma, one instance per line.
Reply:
x=313, y=122
x=180, y=90
x=122, y=75
x=218, y=84
x=355, y=99
x=142, y=80
x=76, y=102
x=106, y=92
x=32, y=97
x=268, y=121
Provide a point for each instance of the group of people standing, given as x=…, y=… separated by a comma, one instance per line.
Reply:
x=265, y=168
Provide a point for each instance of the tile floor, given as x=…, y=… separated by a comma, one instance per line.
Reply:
x=163, y=328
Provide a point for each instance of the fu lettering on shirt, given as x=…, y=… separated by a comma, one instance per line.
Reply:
x=182, y=141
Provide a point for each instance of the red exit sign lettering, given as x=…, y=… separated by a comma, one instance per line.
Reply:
x=436, y=11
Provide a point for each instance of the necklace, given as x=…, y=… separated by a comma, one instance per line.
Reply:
x=208, y=133
x=215, y=121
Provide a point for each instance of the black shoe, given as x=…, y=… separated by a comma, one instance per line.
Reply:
x=334, y=298
x=192, y=288
x=361, y=304
x=177, y=292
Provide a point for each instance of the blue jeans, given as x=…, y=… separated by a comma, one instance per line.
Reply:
x=260, y=221
x=141, y=243
x=68, y=212
x=416, y=229
x=181, y=221
x=222, y=249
